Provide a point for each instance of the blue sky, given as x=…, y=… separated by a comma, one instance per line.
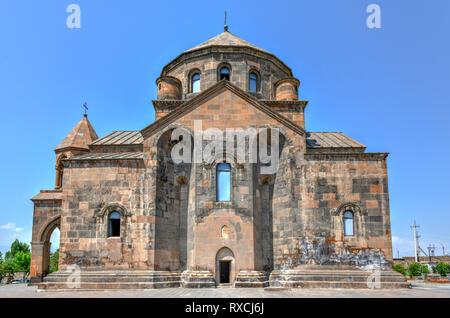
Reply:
x=387, y=88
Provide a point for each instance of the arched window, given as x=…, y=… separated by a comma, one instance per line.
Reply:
x=195, y=83
x=348, y=223
x=114, y=224
x=253, y=82
x=223, y=182
x=224, y=73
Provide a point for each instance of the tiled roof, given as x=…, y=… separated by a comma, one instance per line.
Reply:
x=225, y=39
x=109, y=156
x=120, y=138
x=313, y=140
x=79, y=137
x=331, y=140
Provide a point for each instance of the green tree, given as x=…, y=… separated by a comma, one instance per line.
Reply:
x=18, y=246
x=22, y=261
x=18, y=258
x=9, y=268
x=400, y=268
x=442, y=268
x=2, y=272
x=54, y=258
x=425, y=269
x=415, y=269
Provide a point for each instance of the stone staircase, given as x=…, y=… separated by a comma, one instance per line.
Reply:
x=303, y=278
x=99, y=280
x=332, y=278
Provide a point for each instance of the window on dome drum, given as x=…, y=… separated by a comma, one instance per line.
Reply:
x=195, y=83
x=348, y=223
x=223, y=182
x=253, y=82
x=225, y=73
x=114, y=224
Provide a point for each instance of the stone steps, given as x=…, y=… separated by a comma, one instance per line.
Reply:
x=91, y=280
x=110, y=285
x=337, y=279
x=307, y=278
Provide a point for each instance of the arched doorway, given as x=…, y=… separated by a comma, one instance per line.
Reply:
x=41, y=250
x=46, y=239
x=225, y=267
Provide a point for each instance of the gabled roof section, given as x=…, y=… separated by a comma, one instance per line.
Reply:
x=198, y=100
x=225, y=39
x=332, y=141
x=127, y=137
x=79, y=138
x=109, y=156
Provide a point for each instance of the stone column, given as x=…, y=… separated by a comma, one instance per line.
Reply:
x=36, y=267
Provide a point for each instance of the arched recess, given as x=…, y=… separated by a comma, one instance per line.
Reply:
x=59, y=171
x=103, y=215
x=172, y=196
x=42, y=248
x=269, y=188
x=358, y=221
x=225, y=266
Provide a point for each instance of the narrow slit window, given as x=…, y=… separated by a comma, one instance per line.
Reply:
x=114, y=224
x=223, y=182
x=225, y=73
x=348, y=223
x=196, y=83
x=253, y=82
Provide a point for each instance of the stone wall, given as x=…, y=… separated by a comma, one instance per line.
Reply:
x=92, y=190
x=240, y=65
x=326, y=187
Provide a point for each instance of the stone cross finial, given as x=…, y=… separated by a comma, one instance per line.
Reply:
x=225, y=28
x=85, y=109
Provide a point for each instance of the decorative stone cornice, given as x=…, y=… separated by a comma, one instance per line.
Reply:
x=48, y=195
x=302, y=103
x=346, y=155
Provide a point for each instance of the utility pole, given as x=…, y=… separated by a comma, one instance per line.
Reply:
x=398, y=253
x=443, y=249
x=416, y=241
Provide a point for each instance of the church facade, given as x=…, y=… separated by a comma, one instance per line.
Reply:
x=132, y=215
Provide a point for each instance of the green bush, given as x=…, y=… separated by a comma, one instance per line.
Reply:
x=415, y=269
x=400, y=268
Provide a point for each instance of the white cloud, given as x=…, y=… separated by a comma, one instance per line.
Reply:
x=9, y=232
x=397, y=240
x=12, y=227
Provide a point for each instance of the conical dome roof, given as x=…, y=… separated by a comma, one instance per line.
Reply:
x=225, y=39
x=79, y=138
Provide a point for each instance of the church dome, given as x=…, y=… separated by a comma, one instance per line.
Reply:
x=225, y=39
x=226, y=55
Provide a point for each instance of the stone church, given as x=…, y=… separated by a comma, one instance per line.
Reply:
x=130, y=216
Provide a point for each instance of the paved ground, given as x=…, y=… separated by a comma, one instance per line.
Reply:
x=419, y=289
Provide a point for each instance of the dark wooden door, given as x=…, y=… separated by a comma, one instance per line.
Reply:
x=224, y=272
